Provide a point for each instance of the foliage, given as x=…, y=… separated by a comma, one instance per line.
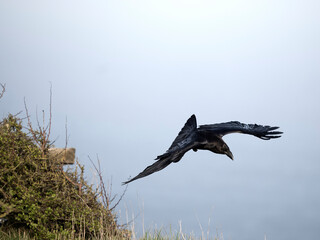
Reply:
x=37, y=194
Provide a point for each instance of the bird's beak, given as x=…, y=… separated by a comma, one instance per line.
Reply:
x=229, y=154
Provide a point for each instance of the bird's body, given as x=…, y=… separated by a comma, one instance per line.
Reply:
x=205, y=137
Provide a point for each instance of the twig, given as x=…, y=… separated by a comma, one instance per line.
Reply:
x=104, y=195
x=66, y=127
x=29, y=122
x=50, y=112
x=106, y=198
x=119, y=200
x=72, y=182
x=44, y=132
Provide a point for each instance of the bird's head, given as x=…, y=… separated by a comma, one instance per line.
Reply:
x=220, y=147
x=224, y=149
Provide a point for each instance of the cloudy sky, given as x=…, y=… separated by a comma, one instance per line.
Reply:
x=127, y=75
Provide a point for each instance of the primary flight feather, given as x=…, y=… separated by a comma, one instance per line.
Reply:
x=205, y=137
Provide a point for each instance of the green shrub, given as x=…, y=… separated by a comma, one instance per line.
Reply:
x=37, y=194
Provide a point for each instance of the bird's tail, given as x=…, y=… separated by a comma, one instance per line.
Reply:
x=157, y=166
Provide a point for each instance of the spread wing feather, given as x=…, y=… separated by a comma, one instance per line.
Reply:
x=184, y=139
x=189, y=128
x=163, y=161
x=263, y=132
x=157, y=166
x=182, y=143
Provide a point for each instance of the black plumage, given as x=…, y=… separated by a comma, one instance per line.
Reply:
x=205, y=137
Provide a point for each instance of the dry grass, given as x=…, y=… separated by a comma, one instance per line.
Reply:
x=157, y=234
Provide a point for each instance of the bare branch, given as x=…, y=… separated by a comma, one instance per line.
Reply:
x=50, y=117
x=29, y=123
x=42, y=131
x=38, y=123
x=106, y=195
x=119, y=200
x=67, y=137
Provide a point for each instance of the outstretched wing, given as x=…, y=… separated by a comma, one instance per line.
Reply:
x=183, y=143
x=157, y=166
x=185, y=137
x=221, y=129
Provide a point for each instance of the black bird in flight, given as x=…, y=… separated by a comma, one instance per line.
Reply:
x=205, y=137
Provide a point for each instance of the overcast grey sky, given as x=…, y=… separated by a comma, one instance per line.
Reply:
x=128, y=74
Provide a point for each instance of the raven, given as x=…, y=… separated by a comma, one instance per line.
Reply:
x=205, y=137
